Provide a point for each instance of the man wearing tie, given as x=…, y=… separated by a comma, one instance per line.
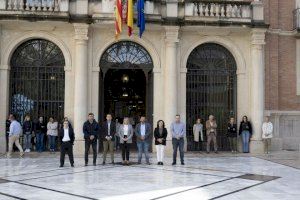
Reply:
x=108, y=135
x=66, y=137
x=143, y=131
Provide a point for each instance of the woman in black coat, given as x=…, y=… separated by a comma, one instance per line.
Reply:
x=160, y=135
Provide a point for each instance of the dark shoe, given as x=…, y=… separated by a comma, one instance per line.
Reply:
x=72, y=165
x=113, y=163
x=161, y=163
x=158, y=163
x=86, y=164
x=182, y=163
x=174, y=163
x=61, y=166
x=94, y=164
x=103, y=163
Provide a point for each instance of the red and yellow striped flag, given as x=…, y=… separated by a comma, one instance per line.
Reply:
x=130, y=16
x=118, y=15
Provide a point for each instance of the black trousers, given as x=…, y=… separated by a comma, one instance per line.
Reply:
x=125, y=151
x=66, y=147
x=7, y=138
x=88, y=144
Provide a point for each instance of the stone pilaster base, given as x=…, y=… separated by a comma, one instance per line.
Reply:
x=78, y=148
x=256, y=146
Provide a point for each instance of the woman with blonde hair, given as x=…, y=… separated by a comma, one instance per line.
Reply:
x=125, y=133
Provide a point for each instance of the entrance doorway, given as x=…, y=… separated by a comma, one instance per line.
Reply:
x=125, y=93
x=126, y=82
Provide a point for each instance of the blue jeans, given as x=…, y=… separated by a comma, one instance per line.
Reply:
x=27, y=141
x=39, y=142
x=246, y=138
x=143, y=147
x=51, y=140
x=178, y=143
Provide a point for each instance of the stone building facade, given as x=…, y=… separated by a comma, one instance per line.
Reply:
x=256, y=40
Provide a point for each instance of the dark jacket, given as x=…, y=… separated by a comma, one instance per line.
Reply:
x=157, y=135
x=245, y=126
x=71, y=135
x=139, y=134
x=232, y=130
x=40, y=127
x=7, y=125
x=104, y=130
x=91, y=129
x=27, y=127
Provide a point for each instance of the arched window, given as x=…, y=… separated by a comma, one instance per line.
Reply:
x=211, y=88
x=37, y=80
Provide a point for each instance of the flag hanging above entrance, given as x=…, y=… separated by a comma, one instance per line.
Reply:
x=141, y=17
x=124, y=13
x=118, y=16
x=130, y=16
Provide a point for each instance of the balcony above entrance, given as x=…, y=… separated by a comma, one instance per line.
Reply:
x=169, y=12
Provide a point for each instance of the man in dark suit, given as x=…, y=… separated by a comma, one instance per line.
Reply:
x=108, y=136
x=66, y=138
x=91, y=132
x=143, y=133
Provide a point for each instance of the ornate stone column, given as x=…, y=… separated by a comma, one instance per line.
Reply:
x=170, y=80
x=69, y=93
x=257, y=88
x=81, y=84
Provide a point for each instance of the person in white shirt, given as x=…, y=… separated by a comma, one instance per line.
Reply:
x=66, y=137
x=15, y=130
x=267, y=134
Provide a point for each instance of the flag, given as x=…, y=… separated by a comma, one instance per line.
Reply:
x=141, y=17
x=130, y=16
x=118, y=15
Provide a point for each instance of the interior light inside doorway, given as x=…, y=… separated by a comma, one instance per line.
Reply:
x=125, y=78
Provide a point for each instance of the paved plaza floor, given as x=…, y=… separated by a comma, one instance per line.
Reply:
x=214, y=176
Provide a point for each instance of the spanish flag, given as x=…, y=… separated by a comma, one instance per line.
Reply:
x=130, y=16
x=118, y=13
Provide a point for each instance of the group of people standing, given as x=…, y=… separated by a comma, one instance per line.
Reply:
x=109, y=131
x=245, y=131
x=40, y=134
